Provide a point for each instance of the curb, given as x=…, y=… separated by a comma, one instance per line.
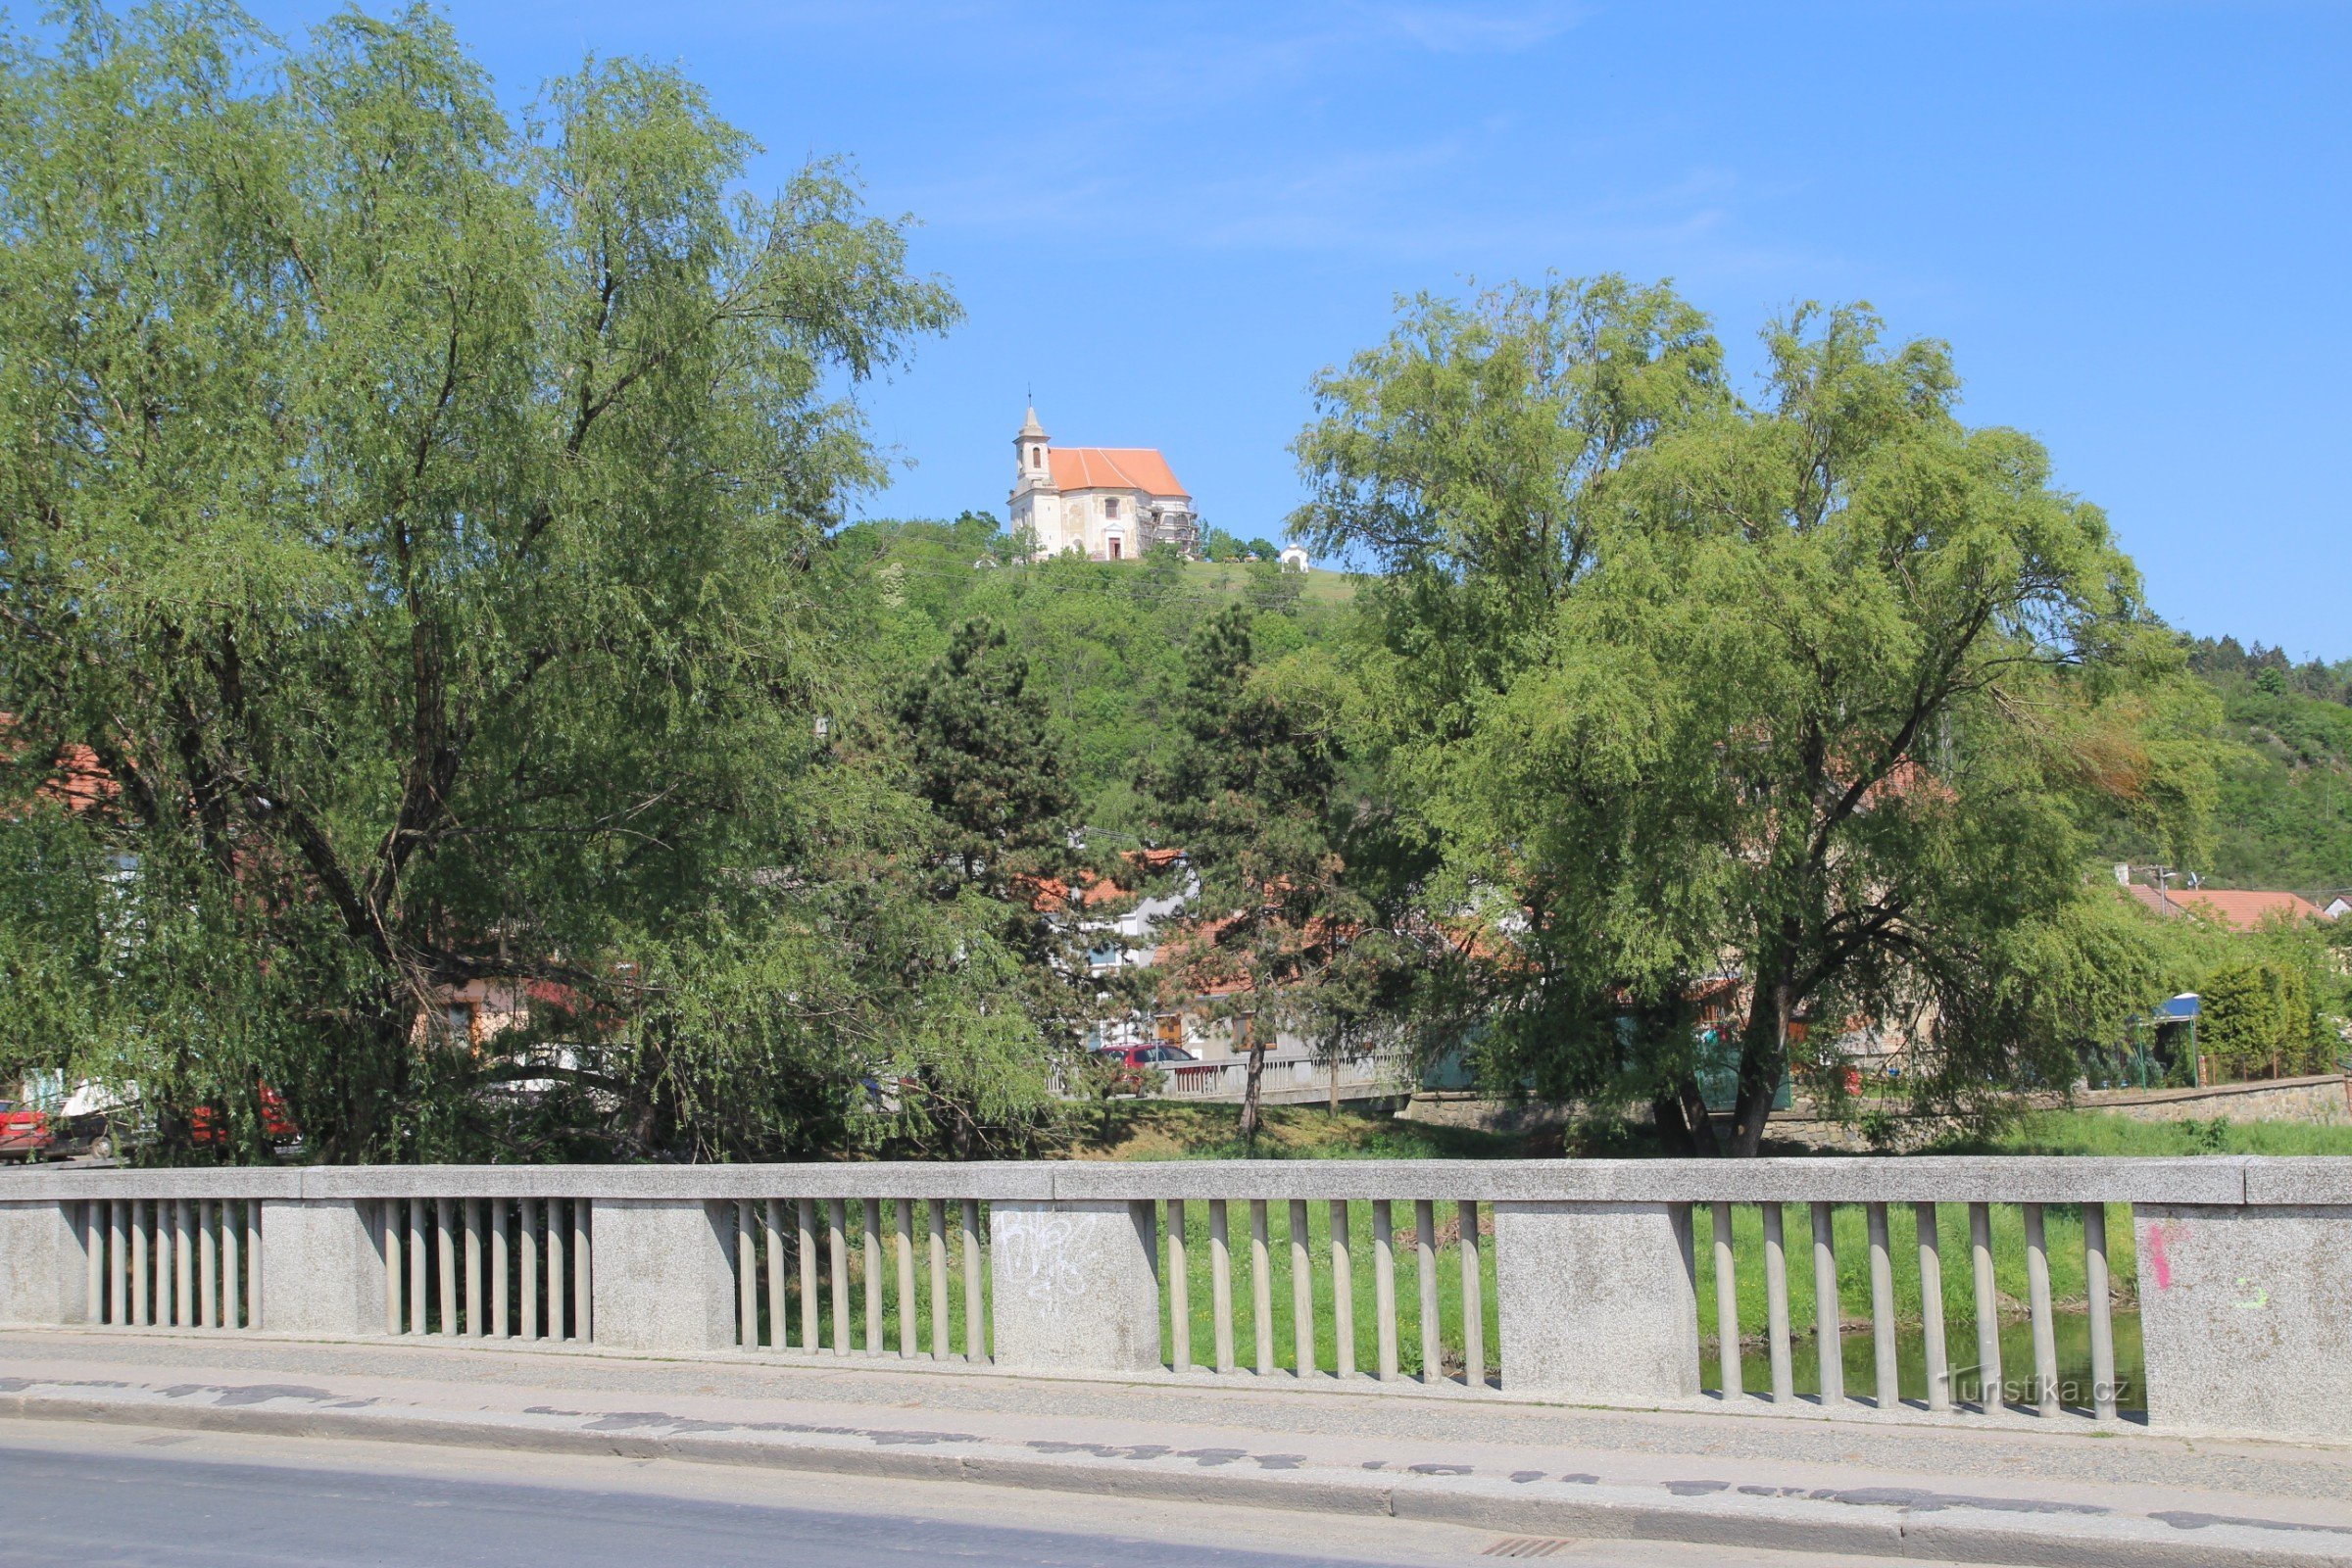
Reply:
x=1881, y=1528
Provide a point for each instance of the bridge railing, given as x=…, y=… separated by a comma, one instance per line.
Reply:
x=1649, y=1283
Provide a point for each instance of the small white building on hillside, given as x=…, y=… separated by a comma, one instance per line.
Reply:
x=1105, y=502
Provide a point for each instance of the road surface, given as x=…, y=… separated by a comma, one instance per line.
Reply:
x=92, y=1495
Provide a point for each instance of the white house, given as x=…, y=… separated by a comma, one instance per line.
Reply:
x=1106, y=503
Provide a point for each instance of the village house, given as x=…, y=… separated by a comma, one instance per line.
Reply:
x=1104, y=502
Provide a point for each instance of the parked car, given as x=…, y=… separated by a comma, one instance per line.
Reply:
x=23, y=1132
x=1132, y=1066
x=277, y=1123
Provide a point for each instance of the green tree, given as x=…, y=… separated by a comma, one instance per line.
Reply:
x=2259, y=1020
x=1253, y=791
x=1810, y=698
x=986, y=761
x=423, y=518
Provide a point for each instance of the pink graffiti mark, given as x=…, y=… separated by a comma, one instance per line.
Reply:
x=2156, y=1255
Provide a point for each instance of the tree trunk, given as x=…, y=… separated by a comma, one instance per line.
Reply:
x=1674, y=1129
x=1763, y=1063
x=1258, y=1071
x=1695, y=1114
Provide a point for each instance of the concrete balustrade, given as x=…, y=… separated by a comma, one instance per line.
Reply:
x=2244, y=1271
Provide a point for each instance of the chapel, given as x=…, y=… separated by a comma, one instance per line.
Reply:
x=1105, y=502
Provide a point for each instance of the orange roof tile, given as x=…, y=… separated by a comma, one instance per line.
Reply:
x=1115, y=468
x=2243, y=908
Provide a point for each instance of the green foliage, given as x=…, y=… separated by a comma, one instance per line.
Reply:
x=1814, y=693
x=2259, y=1020
x=422, y=517
x=1255, y=793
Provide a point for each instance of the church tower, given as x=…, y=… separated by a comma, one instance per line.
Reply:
x=1036, y=499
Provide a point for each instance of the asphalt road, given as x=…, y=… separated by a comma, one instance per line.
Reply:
x=95, y=1495
x=88, y=1509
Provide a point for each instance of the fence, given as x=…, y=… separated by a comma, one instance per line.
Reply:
x=1285, y=1078
x=1604, y=1282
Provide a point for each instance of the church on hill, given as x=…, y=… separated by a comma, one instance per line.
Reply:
x=1106, y=503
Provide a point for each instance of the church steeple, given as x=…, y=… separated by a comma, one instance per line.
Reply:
x=1035, y=471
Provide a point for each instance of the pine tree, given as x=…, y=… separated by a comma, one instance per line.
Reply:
x=1253, y=795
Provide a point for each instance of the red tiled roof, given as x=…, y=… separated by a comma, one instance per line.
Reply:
x=1115, y=468
x=78, y=782
x=2242, y=908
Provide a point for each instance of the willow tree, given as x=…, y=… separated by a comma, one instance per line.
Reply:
x=1814, y=731
x=422, y=514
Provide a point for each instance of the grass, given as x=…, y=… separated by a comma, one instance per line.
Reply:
x=1160, y=1129
x=2096, y=1132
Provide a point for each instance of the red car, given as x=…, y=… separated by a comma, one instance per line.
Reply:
x=1131, y=1063
x=23, y=1132
x=277, y=1123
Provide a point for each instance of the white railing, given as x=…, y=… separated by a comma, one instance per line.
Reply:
x=1283, y=1076
x=1594, y=1281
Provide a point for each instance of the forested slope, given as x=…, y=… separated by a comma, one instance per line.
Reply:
x=1104, y=640
x=2283, y=816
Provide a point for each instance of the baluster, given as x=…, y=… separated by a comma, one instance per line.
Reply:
x=583, y=1236
x=527, y=1213
x=1726, y=1306
x=502, y=1224
x=804, y=1210
x=1930, y=1308
x=555, y=1268
x=183, y=1290
x=937, y=1214
x=2101, y=1304
x=142, y=1215
x=161, y=1317
x=92, y=1212
x=1888, y=1392
x=1383, y=1283
x=837, y=1252
x=475, y=1328
x=746, y=1276
x=1343, y=1293
x=1988, y=1309
x=232, y=1275
x=872, y=1246
x=908, y=1325
x=1828, y=1313
x=445, y=1243
x=1433, y=1342
x=1302, y=1292
x=1776, y=1306
x=387, y=1218
x=975, y=1275
x=2037, y=1291
x=1221, y=1283
x=780, y=1299
x=1180, y=1293
x=207, y=1266
x=184, y=1250
x=1261, y=1291
x=120, y=1222
x=419, y=1260
x=1474, y=1300
x=253, y=1263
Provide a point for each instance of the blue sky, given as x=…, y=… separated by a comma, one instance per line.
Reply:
x=2131, y=221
